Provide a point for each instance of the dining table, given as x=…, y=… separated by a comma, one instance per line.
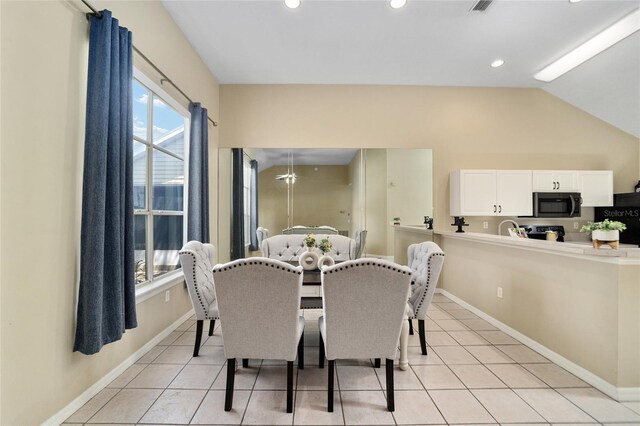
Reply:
x=313, y=277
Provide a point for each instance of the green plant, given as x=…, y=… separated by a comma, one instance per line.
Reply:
x=310, y=240
x=325, y=246
x=605, y=225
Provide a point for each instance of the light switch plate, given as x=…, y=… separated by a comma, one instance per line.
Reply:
x=500, y=292
x=485, y=225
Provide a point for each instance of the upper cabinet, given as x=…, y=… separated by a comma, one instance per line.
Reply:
x=555, y=181
x=596, y=188
x=491, y=193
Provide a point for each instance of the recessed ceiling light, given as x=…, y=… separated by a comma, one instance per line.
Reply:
x=292, y=4
x=574, y=1
x=590, y=48
x=497, y=63
x=397, y=4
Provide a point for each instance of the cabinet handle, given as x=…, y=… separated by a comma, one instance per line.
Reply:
x=558, y=185
x=494, y=208
x=554, y=186
x=499, y=209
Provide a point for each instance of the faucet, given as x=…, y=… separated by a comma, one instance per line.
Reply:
x=505, y=221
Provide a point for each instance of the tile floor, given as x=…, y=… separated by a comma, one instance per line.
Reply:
x=474, y=374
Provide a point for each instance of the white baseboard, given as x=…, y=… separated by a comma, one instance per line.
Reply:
x=619, y=394
x=85, y=396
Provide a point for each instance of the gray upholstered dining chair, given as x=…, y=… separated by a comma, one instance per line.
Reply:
x=364, y=303
x=425, y=260
x=261, y=234
x=197, y=260
x=259, y=303
x=361, y=240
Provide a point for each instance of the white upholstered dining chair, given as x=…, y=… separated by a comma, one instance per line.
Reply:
x=197, y=260
x=425, y=260
x=259, y=303
x=364, y=303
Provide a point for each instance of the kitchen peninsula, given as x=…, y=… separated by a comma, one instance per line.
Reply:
x=577, y=306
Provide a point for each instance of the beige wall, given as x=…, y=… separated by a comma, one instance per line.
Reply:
x=376, y=220
x=466, y=128
x=44, y=67
x=584, y=310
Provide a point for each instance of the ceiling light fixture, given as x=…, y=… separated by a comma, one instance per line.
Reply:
x=292, y=4
x=497, y=63
x=397, y=4
x=587, y=50
x=574, y=1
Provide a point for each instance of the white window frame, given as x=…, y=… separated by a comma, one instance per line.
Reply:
x=156, y=286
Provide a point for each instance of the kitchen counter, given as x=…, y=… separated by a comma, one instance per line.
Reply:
x=577, y=306
x=622, y=256
x=405, y=235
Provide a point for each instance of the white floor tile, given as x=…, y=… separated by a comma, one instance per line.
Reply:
x=128, y=406
x=477, y=377
x=273, y=378
x=497, y=337
x=468, y=338
x=403, y=380
x=267, y=408
x=460, y=406
x=515, y=376
x=522, y=354
x=505, y=406
x=129, y=374
x=600, y=406
x=555, y=376
x=156, y=376
x=455, y=355
x=314, y=378
x=357, y=378
x=175, y=406
x=437, y=377
x=311, y=409
x=553, y=406
x=175, y=355
x=414, y=408
x=489, y=355
x=365, y=408
x=196, y=377
x=211, y=411
x=244, y=379
x=92, y=406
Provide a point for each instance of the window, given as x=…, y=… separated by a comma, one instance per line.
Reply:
x=246, y=179
x=158, y=182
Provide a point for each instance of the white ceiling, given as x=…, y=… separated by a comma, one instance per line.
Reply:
x=268, y=157
x=435, y=42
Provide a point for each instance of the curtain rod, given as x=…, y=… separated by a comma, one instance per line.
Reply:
x=143, y=56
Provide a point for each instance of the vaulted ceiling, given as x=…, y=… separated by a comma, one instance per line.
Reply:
x=436, y=43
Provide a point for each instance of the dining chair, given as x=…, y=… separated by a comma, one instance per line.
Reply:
x=197, y=260
x=259, y=304
x=425, y=260
x=364, y=303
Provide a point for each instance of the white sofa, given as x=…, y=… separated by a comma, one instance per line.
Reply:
x=290, y=247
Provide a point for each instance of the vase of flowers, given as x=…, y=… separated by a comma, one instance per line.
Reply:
x=325, y=247
x=605, y=232
x=310, y=242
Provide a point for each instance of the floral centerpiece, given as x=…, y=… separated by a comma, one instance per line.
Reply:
x=310, y=241
x=325, y=246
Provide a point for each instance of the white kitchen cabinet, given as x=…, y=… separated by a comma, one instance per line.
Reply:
x=555, y=181
x=491, y=193
x=596, y=188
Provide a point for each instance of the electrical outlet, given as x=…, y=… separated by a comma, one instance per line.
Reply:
x=485, y=225
x=167, y=295
x=575, y=225
x=500, y=292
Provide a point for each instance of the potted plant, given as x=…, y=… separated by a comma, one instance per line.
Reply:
x=396, y=220
x=310, y=241
x=325, y=246
x=607, y=230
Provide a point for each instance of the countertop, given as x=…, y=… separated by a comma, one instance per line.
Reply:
x=420, y=229
x=622, y=256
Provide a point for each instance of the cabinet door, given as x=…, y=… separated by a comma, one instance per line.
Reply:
x=544, y=181
x=478, y=192
x=567, y=181
x=514, y=192
x=596, y=188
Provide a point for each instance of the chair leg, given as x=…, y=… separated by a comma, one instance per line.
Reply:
x=212, y=325
x=289, y=386
x=410, y=327
x=245, y=363
x=199, y=325
x=376, y=363
x=321, y=353
x=391, y=404
x=231, y=372
x=423, y=337
x=301, y=352
x=332, y=366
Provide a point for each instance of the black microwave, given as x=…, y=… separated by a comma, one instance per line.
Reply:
x=556, y=204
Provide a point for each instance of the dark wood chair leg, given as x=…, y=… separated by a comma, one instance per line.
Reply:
x=321, y=353
x=376, y=362
x=332, y=366
x=231, y=372
x=410, y=327
x=245, y=363
x=196, y=348
x=289, y=386
x=391, y=404
x=301, y=352
x=423, y=337
x=212, y=325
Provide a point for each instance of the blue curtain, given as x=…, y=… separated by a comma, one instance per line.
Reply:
x=237, y=203
x=198, y=197
x=254, y=206
x=106, y=303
